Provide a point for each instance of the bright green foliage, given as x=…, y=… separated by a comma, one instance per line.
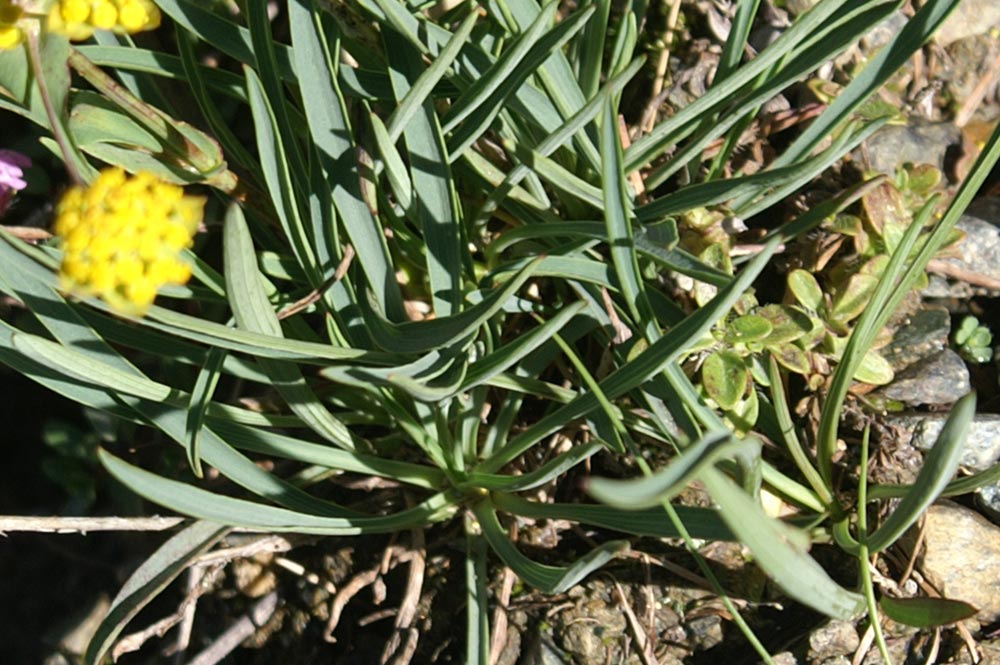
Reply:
x=974, y=340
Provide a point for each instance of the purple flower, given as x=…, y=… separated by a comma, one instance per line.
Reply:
x=11, y=176
x=11, y=173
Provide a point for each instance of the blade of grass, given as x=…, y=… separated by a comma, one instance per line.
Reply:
x=153, y=576
x=551, y=579
x=253, y=311
x=189, y=500
x=437, y=210
x=939, y=467
x=331, y=132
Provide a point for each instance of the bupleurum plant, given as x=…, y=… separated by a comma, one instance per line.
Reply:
x=444, y=266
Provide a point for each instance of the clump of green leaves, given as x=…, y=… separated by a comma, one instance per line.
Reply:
x=974, y=340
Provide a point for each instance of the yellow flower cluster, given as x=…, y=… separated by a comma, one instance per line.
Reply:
x=10, y=32
x=78, y=19
x=123, y=236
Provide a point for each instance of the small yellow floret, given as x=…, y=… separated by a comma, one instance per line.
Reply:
x=103, y=15
x=74, y=11
x=122, y=238
x=77, y=19
x=10, y=34
x=10, y=37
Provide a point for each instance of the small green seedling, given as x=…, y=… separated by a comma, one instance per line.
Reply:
x=974, y=340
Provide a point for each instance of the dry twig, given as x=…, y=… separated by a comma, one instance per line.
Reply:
x=499, y=638
x=239, y=631
x=84, y=525
x=953, y=271
x=403, y=650
x=645, y=644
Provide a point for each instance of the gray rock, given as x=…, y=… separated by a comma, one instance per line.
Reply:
x=979, y=251
x=941, y=378
x=836, y=638
x=705, y=632
x=542, y=651
x=961, y=556
x=593, y=629
x=836, y=660
x=924, y=334
x=921, y=430
x=785, y=658
x=918, y=143
x=988, y=500
x=882, y=33
x=797, y=7
x=971, y=17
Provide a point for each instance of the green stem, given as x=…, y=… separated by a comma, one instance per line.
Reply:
x=799, y=456
x=714, y=581
x=866, y=573
x=66, y=146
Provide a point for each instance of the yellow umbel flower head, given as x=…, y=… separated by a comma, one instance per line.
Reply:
x=123, y=236
x=10, y=32
x=78, y=19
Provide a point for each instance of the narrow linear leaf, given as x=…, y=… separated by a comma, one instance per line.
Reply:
x=551, y=579
x=667, y=482
x=198, y=403
x=422, y=87
x=437, y=211
x=640, y=369
x=189, y=500
x=926, y=612
x=331, y=132
x=253, y=311
x=74, y=363
x=778, y=550
x=551, y=42
x=395, y=168
x=699, y=522
x=152, y=577
x=278, y=176
x=939, y=467
x=422, y=336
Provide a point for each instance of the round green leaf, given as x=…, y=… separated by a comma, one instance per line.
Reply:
x=792, y=358
x=724, y=376
x=748, y=328
x=874, y=369
x=805, y=288
x=787, y=323
x=851, y=301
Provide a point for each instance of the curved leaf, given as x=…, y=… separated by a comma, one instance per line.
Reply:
x=551, y=579
x=926, y=612
x=667, y=482
x=170, y=560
